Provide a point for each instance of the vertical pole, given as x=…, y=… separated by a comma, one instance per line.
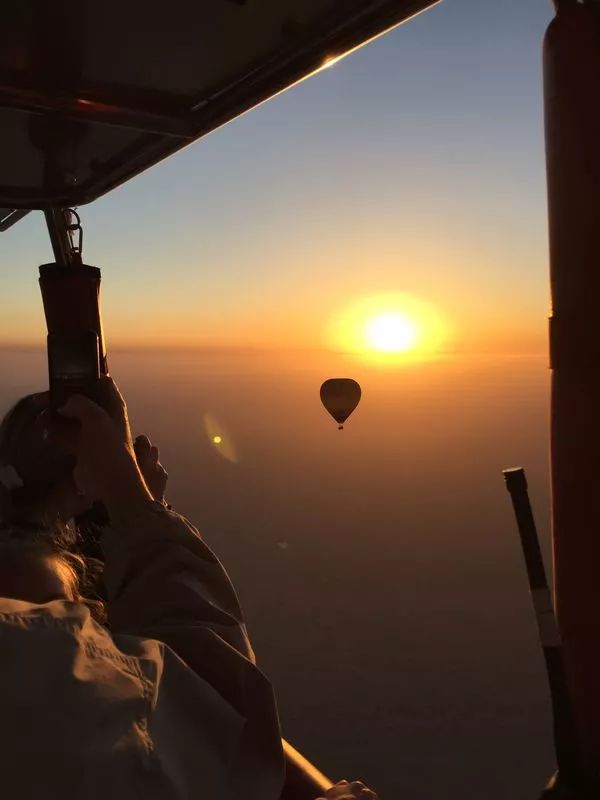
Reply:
x=56, y=221
x=566, y=745
x=572, y=114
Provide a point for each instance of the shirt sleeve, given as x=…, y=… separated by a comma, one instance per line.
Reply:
x=159, y=572
x=163, y=582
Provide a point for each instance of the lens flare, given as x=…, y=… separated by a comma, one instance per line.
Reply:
x=220, y=438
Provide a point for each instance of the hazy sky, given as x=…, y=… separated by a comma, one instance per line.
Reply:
x=415, y=165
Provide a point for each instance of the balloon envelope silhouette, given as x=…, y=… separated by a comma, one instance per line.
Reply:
x=340, y=396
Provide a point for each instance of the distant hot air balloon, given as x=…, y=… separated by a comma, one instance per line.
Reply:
x=340, y=396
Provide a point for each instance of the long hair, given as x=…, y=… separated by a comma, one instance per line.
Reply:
x=82, y=575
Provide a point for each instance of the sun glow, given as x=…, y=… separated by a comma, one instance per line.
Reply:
x=389, y=327
x=391, y=333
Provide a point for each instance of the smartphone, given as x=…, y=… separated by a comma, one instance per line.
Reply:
x=73, y=365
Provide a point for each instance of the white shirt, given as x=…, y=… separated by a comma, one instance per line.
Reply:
x=169, y=705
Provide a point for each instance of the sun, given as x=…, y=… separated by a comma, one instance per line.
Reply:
x=391, y=332
x=389, y=327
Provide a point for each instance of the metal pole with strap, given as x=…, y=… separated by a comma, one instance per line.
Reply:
x=568, y=754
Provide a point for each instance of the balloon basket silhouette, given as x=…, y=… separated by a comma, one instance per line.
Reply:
x=340, y=396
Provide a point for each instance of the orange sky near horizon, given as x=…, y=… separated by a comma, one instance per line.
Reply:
x=467, y=288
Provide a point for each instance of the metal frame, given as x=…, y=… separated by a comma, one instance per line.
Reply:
x=93, y=109
x=10, y=216
x=168, y=123
x=59, y=228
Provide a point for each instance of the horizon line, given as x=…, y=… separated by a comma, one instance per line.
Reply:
x=232, y=349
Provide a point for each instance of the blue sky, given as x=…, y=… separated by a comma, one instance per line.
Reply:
x=414, y=165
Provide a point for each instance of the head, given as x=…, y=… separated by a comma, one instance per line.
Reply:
x=38, y=501
x=38, y=486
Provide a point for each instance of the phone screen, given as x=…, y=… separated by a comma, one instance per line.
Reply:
x=74, y=364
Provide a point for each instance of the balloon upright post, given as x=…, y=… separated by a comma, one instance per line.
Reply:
x=572, y=116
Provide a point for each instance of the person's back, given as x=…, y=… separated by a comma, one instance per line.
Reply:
x=164, y=703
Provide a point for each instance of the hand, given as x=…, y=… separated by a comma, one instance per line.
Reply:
x=155, y=475
x=349, y=791
x=106, y=467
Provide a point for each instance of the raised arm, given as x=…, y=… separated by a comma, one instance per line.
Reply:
x=164, y=583
x=160, y=576
x=158, y=571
